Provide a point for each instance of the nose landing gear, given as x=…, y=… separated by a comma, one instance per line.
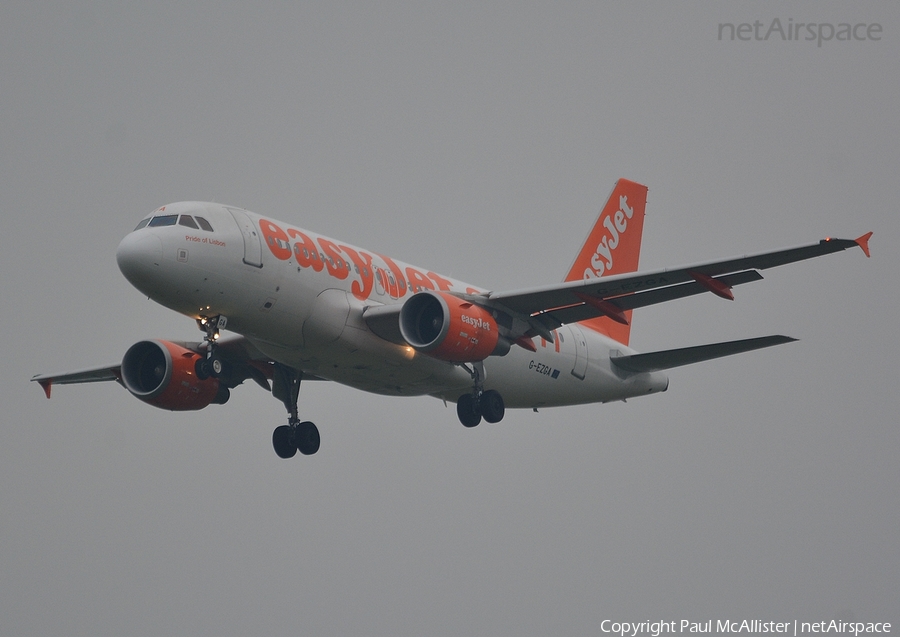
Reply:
x=212, y=365
x=287, y=440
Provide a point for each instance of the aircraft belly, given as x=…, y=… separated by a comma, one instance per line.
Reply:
x=364, y=361
x=549, y=378
x=527, y=379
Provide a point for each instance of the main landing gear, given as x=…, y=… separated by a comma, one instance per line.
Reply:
x=471, y=408
x=295, y=435
x=299, y=436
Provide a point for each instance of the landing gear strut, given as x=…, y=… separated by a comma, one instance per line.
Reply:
x=212, y=365
x=480, y=403
x=295, y=435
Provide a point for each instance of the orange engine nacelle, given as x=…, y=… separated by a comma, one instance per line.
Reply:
x=162, y=374
x=449, y=328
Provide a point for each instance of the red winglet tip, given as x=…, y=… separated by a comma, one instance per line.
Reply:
x=46, y=384
x=863, y=242
x=526, y=343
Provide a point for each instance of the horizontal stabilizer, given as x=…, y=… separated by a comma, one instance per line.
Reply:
x=655, y=361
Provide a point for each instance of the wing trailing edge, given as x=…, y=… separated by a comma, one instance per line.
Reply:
x=666, y=359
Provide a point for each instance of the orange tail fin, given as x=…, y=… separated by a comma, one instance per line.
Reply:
x=613, y=247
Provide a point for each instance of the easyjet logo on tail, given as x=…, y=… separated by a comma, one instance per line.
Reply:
x=613, y=246
x=616, y=225
x=614, y=242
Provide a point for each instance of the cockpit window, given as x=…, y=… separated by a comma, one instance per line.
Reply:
x=159, y=221
x=163, y=220
x=204, y=224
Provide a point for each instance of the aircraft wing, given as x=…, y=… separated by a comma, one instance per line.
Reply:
x=245, y=361
x=546, y=308
x=93, y=375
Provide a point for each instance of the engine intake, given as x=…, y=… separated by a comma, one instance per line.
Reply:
x=162, y=374
x=449, y=328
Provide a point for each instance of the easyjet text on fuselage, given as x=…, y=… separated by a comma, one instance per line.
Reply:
x=320, y=253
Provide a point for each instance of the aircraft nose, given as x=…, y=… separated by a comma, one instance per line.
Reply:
x=139, y=255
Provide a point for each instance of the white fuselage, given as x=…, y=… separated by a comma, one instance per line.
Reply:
x=299, y=298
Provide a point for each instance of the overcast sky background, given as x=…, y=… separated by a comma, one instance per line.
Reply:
x=478, y=140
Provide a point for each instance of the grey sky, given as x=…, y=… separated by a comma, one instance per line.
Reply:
x=479, y=141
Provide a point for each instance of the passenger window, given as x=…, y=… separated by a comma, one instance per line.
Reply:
x=204, y=224
x=143, y=223
x=163, y=220
x=187, y=220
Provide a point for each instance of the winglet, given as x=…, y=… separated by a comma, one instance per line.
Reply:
x=46, y=384
x=863, y=242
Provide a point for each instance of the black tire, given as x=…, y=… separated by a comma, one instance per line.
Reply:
x=202, y=368
x=283, y=442
x=492, y=407
x=467, y=410
x=307, y=438
x=222, y=395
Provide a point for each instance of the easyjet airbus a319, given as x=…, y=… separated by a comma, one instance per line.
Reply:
x=306, y=307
